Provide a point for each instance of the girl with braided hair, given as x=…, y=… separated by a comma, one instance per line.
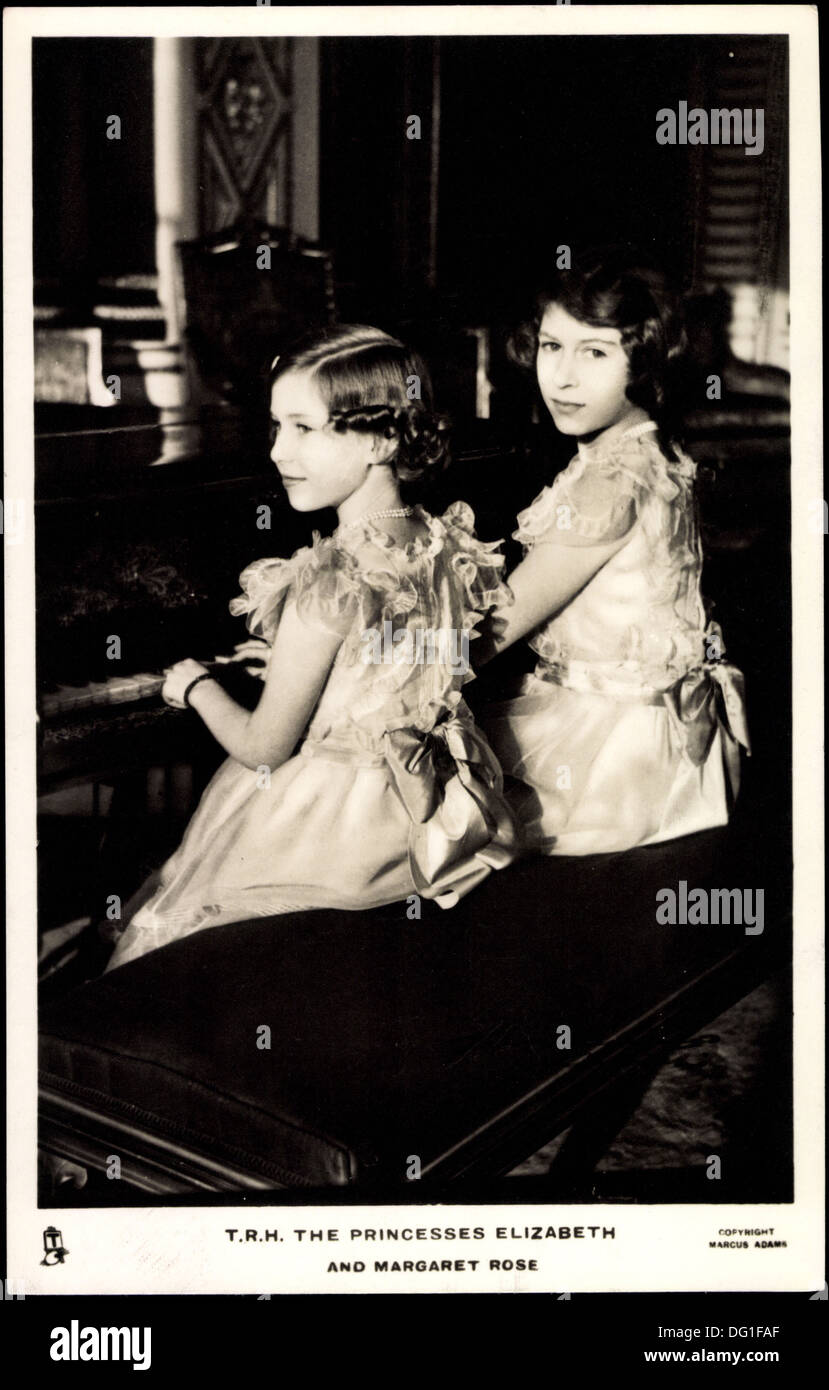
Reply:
x=360, y=778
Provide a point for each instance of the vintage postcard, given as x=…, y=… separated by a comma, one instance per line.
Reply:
x=413, y=531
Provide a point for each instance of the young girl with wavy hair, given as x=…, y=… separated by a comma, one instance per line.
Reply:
x=629, y=729
x=360, y=778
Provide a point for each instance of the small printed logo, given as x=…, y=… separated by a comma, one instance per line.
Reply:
x=54, y=1251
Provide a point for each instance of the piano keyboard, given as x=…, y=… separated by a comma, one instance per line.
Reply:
x=113, y=722
x=120, y=690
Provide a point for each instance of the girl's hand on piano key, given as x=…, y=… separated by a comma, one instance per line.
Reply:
x=255, y=650
x=177, y=678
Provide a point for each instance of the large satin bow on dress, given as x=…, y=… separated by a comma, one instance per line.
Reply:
x=711, y=693
x=451, y=785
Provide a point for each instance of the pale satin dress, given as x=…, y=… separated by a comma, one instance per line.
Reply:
x=393, y=790
x=629, y=730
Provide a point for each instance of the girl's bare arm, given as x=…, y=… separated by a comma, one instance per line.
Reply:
x=300, y=661
x=544, y=583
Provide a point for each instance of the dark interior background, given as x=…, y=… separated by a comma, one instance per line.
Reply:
x=94, y=199
x=538, y=142
x=541, y=142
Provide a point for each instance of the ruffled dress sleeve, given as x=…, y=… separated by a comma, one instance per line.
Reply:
x=478, y=566
x=331, y=591
x=587, y=504
x=599, y=497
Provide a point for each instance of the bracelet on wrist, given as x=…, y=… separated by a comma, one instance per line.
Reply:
x=205, y=676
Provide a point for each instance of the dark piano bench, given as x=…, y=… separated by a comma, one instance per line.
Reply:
x=389, y=1038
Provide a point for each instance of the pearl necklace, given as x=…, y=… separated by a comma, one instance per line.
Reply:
x=372, y=516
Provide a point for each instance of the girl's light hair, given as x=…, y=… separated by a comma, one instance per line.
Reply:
x=374, y=384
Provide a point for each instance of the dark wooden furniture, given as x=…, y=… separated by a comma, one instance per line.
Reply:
x=389, y=1038
x=142, y=528
x=248, y=290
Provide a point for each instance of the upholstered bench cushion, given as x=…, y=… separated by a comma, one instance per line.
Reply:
x=388, y=1037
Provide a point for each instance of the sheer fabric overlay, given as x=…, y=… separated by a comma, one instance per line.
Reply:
x=628, y=730
x=393, y=790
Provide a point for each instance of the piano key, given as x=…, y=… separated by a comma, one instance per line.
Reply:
x=71, y=697
x=123, y=690
x=147, y=683
x=119, y=690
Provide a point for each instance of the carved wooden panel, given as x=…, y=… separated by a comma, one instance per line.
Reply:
x=245, y=105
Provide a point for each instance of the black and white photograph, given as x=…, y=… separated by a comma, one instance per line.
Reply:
x=413, y=532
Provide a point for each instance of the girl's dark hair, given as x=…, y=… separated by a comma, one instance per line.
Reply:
x=613, y=287
x=365, y=377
